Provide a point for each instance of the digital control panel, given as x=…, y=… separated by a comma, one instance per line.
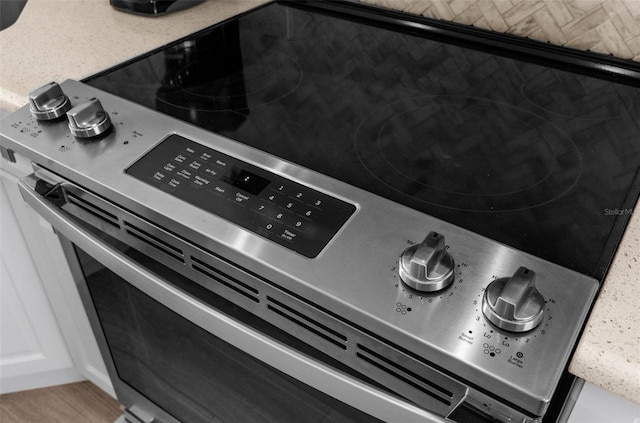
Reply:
x=286, y=212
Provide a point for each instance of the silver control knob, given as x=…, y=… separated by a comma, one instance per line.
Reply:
x=88, y=119
x=48, y=102
x=514, y=303
x=427, y=266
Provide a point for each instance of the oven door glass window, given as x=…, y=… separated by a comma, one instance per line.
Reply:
x=185, y=370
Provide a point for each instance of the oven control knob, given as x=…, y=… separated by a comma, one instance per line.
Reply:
x=48, y=102
x=427, y=266
x=88, y=119
x=514, y=303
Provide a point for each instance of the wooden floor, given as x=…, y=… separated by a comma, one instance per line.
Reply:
x=75, y=402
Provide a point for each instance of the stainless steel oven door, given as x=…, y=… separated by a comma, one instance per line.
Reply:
x=176, y=352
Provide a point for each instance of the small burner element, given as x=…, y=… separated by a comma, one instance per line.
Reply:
x=450, y=151
x=224, y=79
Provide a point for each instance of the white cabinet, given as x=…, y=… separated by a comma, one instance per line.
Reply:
x=595, y=405
x=45, y=337
x=32, y=350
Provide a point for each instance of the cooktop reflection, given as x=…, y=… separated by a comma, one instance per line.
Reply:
x=499, y=142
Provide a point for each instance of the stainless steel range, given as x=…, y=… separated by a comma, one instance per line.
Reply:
x=329, y=212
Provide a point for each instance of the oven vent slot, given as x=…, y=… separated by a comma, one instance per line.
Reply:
x=224, y=279
x=155, y=242
x=391, y=367
x=93, y=210
x=308, y=323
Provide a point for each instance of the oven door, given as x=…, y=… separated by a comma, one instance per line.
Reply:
x=177, y=352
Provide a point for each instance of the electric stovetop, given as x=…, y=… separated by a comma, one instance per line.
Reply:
x=535, y=147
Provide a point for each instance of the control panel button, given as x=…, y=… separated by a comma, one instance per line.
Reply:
x=48, y=102
x=514, y=303
x=88, y=119
x=427, y=266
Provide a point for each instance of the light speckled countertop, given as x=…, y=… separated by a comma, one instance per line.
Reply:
x=60, y=39
x=608, y=354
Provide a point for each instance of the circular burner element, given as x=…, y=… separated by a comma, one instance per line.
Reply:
x=576, y=96
x=468, y=153
x=223, y=79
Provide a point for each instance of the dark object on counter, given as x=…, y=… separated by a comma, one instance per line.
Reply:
x=152, y=7
x=10, y=11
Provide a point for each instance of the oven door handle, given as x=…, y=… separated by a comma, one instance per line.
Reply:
x=265, y=349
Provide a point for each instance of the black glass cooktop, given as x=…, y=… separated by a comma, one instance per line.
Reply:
x=520, y=142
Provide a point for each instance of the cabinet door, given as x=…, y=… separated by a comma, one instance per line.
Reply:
x=597, y=405
x=46, y=336
x=32, y=352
